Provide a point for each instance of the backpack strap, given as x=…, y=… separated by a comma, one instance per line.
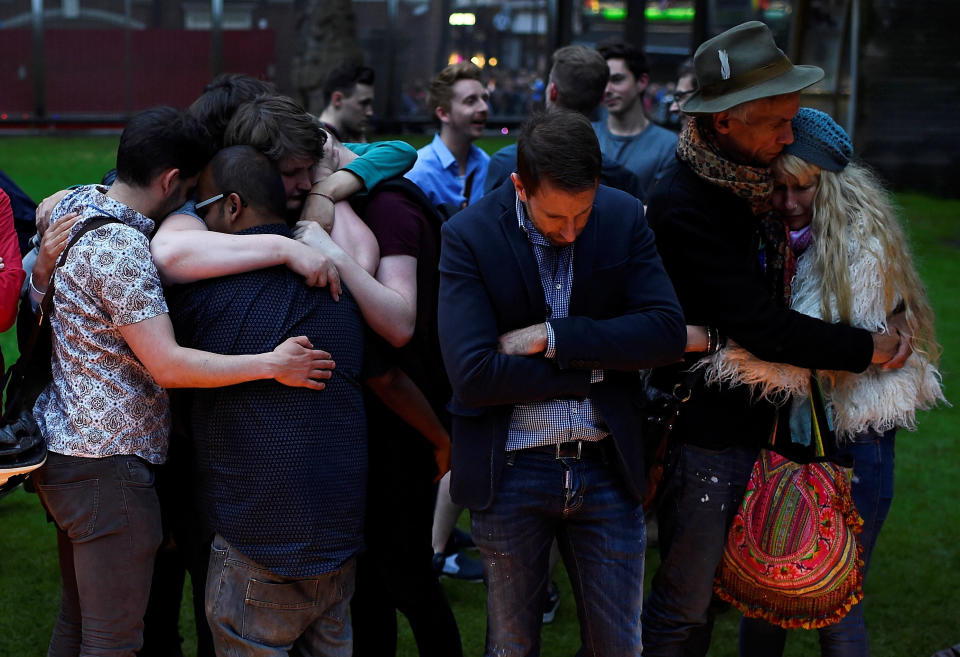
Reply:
x=25, y=373
x=46, y=305
x=434, y=215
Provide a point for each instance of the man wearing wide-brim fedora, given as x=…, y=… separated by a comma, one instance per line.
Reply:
x=709, y=216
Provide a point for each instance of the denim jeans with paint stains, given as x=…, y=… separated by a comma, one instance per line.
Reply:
x=702, y=491
x=600, y=530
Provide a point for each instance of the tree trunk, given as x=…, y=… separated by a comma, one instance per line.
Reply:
x=327, y=37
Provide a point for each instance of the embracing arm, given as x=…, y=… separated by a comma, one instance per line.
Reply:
x=401, y=395
x=54, y=241
x=327, y=206
x=355, y=238
x=185, y=251
x=481, y=374
x=294, y=362
x=720, y=286
x=373, y=164
x=389, y=301
x=380, y=160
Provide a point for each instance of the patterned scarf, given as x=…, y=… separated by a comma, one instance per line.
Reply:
x=778, y=261
x=698, y=148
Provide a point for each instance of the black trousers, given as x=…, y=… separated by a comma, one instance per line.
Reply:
x=185, y=549
x=395, y=571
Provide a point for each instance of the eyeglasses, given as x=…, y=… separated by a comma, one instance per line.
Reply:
x=202, y=207
x=680, y=96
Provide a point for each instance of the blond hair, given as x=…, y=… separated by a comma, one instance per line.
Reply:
x=440, y=93
x=841, y=199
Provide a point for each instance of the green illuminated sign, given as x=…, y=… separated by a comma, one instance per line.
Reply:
x=674, y=14
x=614, y=13
x=617, y=12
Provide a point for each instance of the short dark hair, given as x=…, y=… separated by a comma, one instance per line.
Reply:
x=221, y=98
x=560, y=146
x=159, y=139
x=278, y=127
x=632, y=56
x=440, y=93
x=581, y=76
x=251, y=174
x=345, y=78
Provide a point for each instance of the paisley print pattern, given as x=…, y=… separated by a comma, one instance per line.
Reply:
x=102, y=400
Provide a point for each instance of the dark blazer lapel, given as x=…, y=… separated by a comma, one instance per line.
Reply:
x=522, y=252
x=584, y=256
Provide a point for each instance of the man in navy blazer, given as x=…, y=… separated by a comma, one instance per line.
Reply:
x=552, y=297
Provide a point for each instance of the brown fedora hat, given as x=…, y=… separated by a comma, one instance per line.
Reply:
x=744, y=64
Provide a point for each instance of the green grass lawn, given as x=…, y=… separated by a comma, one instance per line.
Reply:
x=913, y=594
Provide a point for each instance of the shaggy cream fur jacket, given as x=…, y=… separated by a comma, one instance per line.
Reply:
x=875, y=399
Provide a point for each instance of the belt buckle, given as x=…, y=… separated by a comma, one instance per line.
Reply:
x=579, y=451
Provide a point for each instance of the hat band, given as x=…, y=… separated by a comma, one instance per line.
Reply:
x=749, y=79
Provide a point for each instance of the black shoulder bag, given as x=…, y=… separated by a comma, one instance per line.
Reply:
x=22, y=448
x=662, y=411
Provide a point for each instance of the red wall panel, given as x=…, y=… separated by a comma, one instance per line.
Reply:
x=85, y=71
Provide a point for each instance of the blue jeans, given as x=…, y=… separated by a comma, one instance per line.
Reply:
x=108, y=531
x=872, y=490
x=253, y=612
x=600, y=530
x=702, y=491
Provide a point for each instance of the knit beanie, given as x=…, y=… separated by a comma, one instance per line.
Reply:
x=819, y=140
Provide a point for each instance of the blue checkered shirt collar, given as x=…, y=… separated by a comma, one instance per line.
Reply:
x=531, y=231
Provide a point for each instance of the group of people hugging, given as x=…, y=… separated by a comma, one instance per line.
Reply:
x=269, y=348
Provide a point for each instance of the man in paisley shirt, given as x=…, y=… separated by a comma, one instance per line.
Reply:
x=105, y=414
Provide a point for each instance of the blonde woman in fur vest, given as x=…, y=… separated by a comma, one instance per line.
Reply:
x=852, y=266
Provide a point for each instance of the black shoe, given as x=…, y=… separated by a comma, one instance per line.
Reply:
x=459, y=540
x=458, y=566
x=552, y=604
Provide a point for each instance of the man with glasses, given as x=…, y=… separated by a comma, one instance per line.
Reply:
x=282, y=562
x=105, y=415
x=686, y=87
